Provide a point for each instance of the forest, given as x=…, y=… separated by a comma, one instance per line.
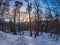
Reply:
x=43, y=16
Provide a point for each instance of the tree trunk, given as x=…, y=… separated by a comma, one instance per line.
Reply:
x=30, y=24
x=15, y=22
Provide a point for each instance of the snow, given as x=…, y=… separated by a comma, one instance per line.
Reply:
x=44, y=39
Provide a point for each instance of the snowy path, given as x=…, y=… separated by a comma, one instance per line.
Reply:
x=8, y=39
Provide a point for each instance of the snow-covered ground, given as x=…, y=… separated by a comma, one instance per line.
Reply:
x=44, y=39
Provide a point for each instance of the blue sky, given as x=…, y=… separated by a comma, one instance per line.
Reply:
x=22, y=8
x=24, y=4
x=43, y=5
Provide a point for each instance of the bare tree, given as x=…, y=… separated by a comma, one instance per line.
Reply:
x=38, y=13
x=4, y=7
x=17, y=6
x=57, y=26
x=29, y=9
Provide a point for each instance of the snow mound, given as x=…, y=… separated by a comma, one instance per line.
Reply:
x=9, y=39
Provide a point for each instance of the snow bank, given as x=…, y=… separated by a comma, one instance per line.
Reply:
x=9, y=39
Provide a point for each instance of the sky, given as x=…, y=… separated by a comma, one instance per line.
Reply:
x=53, y=6
x=43, y=4
x=22, y=8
